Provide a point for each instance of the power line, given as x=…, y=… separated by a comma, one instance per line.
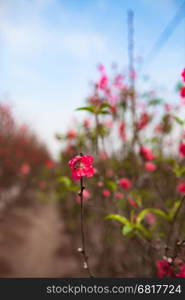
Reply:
x=167, y=32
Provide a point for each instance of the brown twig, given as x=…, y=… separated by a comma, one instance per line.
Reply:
x=97, y=134
x=83, y=249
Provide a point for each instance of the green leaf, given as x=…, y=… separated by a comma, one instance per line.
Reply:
x=179, y=121
x=155, y=211
x=160, y=213
x=155, y=140
x=179, y=86
x=91, y=109
x=65, y=180
x=103, y=112
x=105, y=105
x=74, y=188
x=68, y=183
x=145, y=232
x=178, y=170
x=118, y=218
x=173, y=210
x=96, y=109
x=101, y=109
x=128, y=228
x=110, y=184
x=182, y=171
x=155, y=101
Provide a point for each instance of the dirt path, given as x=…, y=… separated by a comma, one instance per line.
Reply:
x=29, y=240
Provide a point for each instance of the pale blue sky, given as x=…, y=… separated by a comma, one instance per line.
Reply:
x=49, y=50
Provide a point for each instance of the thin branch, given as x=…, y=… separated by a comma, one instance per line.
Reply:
x=83, y=249
x=172, y=226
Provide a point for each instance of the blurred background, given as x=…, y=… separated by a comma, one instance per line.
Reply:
x=49, y=53
x=50, y=50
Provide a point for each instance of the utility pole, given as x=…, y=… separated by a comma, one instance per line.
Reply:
x=131, y=71
x=130, y=24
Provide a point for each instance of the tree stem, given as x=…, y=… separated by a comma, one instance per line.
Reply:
x=83, y=249
x=172, y=225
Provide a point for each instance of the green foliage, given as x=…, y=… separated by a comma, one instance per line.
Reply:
x=155, y=211
x=179, y=121
x=110, y=184
x=118, y=218
x=143, y=231
x=156, y=101
x=153, y=140
x=173, y=210
x=154, y=194
x=179, y=86
x=91, y=109
x=179, y=171
x=127, y=229
x=65, y=180
x=96, y=110
x=130, y=227
x=68, y=183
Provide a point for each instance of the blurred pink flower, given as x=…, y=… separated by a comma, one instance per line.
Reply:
x=182, y=92
x=101, y=68
x=158, y=128
x=150, y=218
x=42, y=185
x=112, y=99
x=6, y=108
x=182, y=149
x=164, y=269
x=132, y=202
x=119, y=195
x=86, y=196
x=146, y=153
x=95, y=171
x=182, y=101
x=125, y=183
x=143, y=122
x=113, y=109
x=94, y=100
x=181, y=188
x=149, y=166
x=122, y=132
x=110, y=173
x=108, y=124
x=50, y=164
x=103, y=155
x=183, y=75
x=106, y=193
x=181, y=274
x=118, y=81
x=25, y=169
x=103, y=82
x=81, y=166
x=168, y=107
x=142, y=105
x=71, y=134
x=86, y=123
